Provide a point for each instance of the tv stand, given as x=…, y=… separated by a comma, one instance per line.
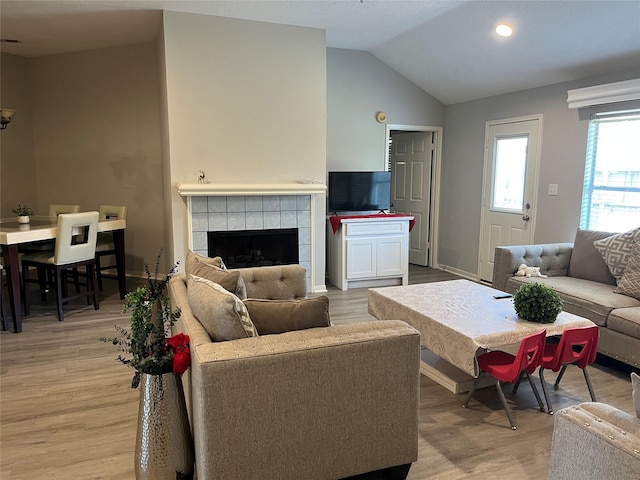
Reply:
x=369, y=251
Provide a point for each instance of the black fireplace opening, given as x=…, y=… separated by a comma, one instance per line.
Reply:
x=254, y=248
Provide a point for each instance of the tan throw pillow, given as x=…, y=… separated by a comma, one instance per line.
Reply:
x=221, y=313
x=279, y=316
x=615, y=250
x=635, y=394
x=586, y=262
x=230, y=280
x=629, y=284
x=194, y=259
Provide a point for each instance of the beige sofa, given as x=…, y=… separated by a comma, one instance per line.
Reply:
x=594, y=441
x=321, y=403
x=582, y=279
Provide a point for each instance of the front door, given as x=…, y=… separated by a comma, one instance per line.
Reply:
x=510, y=184
x=411, y=157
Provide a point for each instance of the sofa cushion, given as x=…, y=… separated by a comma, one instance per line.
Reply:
x=586, y=262
x=629, y=284
x=221, y=313
x=591, y=300
x=279, y=316
x=625, y=320
x=616, y=250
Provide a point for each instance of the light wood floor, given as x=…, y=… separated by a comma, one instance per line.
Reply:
x=67, y=411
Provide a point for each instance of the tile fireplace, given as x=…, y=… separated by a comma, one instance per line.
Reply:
x=219, y=211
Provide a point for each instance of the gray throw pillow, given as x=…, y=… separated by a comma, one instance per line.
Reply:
x=221, y=313
x=279, y=316
x=615, y=250
x=629, y=284
x=586, y=262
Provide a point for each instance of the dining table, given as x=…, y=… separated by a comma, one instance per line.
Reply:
x=42, y=227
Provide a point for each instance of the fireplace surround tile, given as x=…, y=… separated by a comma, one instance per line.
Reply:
x=252, y=212
x=255, y=220
x=236, y=221
x=216, y=204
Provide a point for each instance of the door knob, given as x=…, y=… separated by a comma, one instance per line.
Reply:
x=526, y=218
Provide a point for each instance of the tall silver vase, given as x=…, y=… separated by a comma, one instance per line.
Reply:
x=164, y=445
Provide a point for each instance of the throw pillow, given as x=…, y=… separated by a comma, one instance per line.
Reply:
x=635, y=382
x=230, y=280
x=221, y=313
x=629, y=284
x=194, y=259
x=278, y=316
x=586, y=262
x=615, y=250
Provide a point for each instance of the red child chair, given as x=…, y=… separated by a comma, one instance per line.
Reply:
x=577, y=346
x=508, y=368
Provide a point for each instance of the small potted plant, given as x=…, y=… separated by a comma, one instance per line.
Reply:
x=23, y=212
x=535, y=302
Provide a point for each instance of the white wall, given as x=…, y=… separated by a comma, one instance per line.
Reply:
x=563, y=152
x=358, y=86
x=246, y=103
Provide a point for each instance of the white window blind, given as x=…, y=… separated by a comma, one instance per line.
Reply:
x=611, y=194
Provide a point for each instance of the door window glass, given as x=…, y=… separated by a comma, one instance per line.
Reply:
x=509, y=172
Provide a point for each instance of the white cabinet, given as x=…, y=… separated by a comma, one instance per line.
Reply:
x=369, y=252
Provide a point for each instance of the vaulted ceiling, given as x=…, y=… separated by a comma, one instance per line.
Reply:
x=447, y=47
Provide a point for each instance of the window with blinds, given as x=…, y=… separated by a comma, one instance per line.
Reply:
x=611, y=195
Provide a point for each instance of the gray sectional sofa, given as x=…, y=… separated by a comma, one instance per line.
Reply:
x=583, y=280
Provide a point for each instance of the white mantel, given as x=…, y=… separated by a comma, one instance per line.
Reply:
x=230, y=189
x=306, y=205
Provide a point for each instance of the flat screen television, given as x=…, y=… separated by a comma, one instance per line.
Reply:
x=359, y=191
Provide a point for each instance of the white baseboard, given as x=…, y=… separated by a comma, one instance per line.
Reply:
x=468, y=275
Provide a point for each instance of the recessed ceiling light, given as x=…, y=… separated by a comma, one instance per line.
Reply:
x=504, y=30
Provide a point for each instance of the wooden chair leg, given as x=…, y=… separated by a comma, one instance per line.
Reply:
x=98, y=273
x=25, y=288
x=59, y=289
x=92, y=280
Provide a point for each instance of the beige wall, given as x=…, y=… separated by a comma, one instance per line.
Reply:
x=564, y=139
x=17, y=162
x=246, y=103
x=358, y=86
x=96, y=138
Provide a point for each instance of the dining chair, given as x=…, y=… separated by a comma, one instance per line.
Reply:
x=577, y=346
x=57, y=209
x=506, y=367
x=105, y=246
x=71, y=252
x=48, y=245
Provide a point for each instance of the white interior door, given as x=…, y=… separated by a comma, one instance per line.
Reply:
x=512, y=149
x=411, y=157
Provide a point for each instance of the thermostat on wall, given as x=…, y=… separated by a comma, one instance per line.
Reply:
x=381, y=117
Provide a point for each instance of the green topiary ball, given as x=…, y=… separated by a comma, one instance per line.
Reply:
x=538, y=303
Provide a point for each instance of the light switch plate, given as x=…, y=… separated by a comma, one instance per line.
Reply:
x=553, y=189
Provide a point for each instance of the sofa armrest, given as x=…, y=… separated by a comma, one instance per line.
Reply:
x=552, y=258
x=300, y=404
x=595, y=440
x=282, y=282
